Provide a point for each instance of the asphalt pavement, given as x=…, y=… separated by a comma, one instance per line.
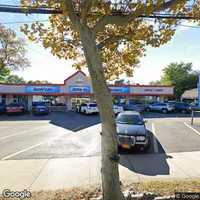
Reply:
x=62, y=150
x=65, y=135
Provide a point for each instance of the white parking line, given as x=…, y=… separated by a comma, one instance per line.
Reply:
x=21, y=133
x=197, y=132
x=31, y=147
x=155, y=143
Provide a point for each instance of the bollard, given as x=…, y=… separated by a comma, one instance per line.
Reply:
x=192, y=117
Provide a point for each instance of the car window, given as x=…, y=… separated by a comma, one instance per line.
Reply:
x=39, y=104
x=92, y=105
x=15, y=104
x=163, y=104
x=129, y=119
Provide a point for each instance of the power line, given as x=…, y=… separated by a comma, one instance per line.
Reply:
x=45, y=10
x=29, y=22
x=28, y=10
x=24, y=22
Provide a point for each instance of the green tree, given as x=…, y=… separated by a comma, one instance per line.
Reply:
x=155, y=83
x=181, y=76
x=38, y=82
x=12, y=52
x=4, y=73
x=14, y=79
x=108, y=37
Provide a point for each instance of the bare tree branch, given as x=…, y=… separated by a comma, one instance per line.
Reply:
x=123, y=20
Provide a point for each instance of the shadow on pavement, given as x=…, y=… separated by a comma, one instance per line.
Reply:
x=150, y=164
x=75, y=121
x=68, y=120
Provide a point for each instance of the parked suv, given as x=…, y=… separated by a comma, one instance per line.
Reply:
x=89, y=108
x=117, y=108
x=161, y=107
x=139, y=107
x=39, y=108
x=182, y=107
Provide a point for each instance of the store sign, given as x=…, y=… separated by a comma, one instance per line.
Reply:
x=79, y=89
x=153, y=90
x=119, y=90
x=42, y=89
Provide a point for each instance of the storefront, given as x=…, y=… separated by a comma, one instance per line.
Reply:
x=77, y=89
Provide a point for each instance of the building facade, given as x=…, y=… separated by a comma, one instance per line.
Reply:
x=76, y=89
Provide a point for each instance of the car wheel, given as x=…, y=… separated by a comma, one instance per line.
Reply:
x=183, y=111
x=148, y=109
x=164, y=111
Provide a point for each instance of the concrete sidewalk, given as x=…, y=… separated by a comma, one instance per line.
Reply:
x=85, y=171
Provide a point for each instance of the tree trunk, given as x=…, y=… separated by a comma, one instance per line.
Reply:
x=109, y=151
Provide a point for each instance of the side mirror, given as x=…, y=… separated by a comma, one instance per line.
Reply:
x=145, y=121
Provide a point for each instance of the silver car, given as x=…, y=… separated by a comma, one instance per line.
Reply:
x=131, y=131
x=161, y=107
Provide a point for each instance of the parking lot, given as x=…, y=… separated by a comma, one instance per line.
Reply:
x=63, y=135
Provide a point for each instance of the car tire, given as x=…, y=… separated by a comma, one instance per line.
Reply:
x=183, y=111
x=148, y=109
x=164, y=111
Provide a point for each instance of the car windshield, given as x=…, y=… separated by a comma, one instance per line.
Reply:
x=129, y=119
x=93, y=105
x=15, y=104
x=39, y=104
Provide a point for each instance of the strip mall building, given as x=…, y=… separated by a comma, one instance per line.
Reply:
x=75, y=89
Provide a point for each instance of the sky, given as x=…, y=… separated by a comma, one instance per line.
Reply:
x=185, y=46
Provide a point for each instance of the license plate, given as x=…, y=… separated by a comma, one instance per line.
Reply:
x=126, y=146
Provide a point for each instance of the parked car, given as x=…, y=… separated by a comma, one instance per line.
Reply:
x=89, y=108
x=117, y=108
x=195, y=106
x=15, y=108
x=160, y=107
x=2, y=108
x=131, y=131
x=182, y=107
x=139, y=107
x=40, y=108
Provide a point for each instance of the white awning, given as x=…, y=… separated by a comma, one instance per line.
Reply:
x=190, y=94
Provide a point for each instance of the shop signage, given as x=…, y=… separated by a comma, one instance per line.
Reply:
x=42, y=89
x=119, y=90
x=153, y=90
x=79, y=89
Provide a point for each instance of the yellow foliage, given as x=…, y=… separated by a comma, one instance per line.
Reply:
x=123, y=44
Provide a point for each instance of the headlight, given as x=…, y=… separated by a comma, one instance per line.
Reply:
x=140, y=138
